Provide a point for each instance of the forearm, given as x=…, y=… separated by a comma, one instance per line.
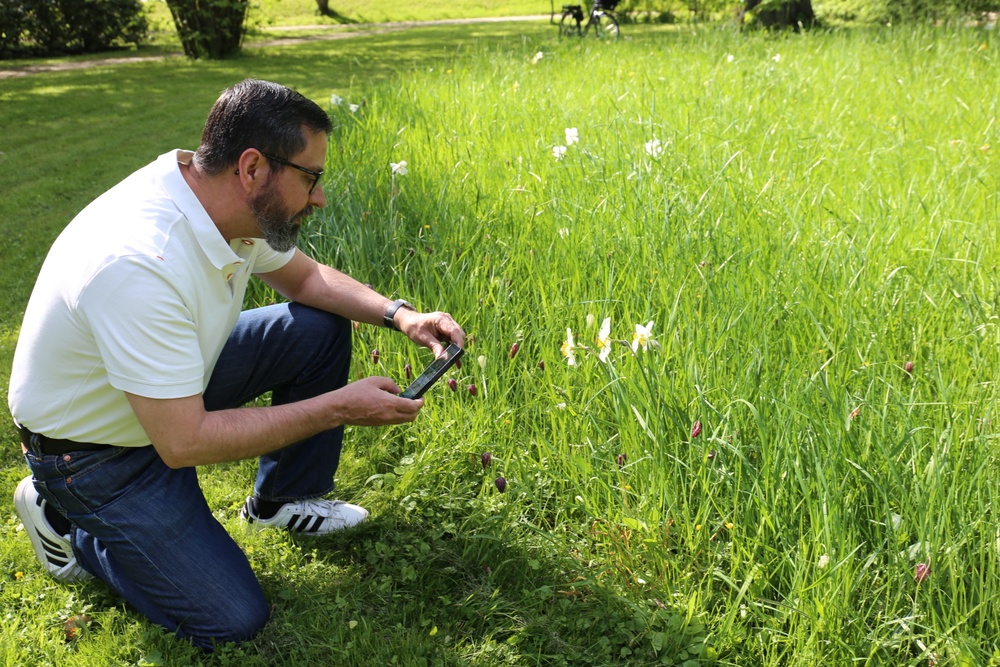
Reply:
x=305, y=281
x=184, y=434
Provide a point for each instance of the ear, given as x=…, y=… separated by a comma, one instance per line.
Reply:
x=251, y=168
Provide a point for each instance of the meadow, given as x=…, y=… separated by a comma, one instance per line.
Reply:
x=732, y=304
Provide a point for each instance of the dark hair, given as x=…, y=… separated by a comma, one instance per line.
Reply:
x=257, y=114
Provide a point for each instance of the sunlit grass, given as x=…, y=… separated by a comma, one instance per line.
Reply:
x=822, y=214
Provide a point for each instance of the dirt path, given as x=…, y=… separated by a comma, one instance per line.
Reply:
x=334, y=32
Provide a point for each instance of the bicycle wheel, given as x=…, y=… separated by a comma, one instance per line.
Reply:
x=569, y=26
x=605, y=26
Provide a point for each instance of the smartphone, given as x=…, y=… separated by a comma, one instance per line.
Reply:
x=434, y=372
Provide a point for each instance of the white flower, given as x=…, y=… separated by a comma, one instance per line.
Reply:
x=568, y=347
x=559, y=152
x=353, y=108
x=777, y=57
x=824, y=560
x=730, y=58
x=336, y=100
x=590, y=320
x=604, y=340
x=563, y=232
x=643, y=335
x=654, y=148
x=572, y=136
x=538, y=56
x=399, y=167
x=482, y=361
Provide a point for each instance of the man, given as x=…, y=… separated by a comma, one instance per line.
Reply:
x=134, y=361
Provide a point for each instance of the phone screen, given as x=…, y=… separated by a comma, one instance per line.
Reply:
x=433, y=372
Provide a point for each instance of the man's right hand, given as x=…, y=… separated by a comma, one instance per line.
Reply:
x=373, y=401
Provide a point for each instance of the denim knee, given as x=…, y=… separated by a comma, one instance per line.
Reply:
x=240, y=624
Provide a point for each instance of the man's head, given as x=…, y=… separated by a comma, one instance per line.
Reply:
x=257, y=114
x=273, y=123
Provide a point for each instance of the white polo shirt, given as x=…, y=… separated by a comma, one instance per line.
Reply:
x=139, y=293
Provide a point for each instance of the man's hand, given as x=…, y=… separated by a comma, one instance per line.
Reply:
x=429, y=329
x=373, y=402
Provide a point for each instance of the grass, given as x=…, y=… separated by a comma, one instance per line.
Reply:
x=820, y=215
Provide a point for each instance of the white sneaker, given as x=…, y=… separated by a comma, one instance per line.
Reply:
x=310, y=517
x=52, y=549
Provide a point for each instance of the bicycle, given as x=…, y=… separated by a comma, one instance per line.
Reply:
x=601, y=17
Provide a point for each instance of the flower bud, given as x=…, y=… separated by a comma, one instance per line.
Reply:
x=513, y=350
x=375, y=356
x=908, y=367
x=486, y=459
x=541, y=365
x=452, y=384
x=695, y=429
x=621, y=459
x=481, y=360
x=472, y=389
x=921, y=573
x=501, y=484
x=408, y=370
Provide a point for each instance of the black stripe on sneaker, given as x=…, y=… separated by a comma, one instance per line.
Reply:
x=54, y=553
x=317, y=523
x=292, y=522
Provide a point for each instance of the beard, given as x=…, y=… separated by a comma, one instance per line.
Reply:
x=280, y=230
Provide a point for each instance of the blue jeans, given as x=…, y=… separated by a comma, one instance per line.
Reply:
x=146, y=529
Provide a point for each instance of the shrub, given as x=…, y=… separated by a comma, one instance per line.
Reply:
x=55, y=27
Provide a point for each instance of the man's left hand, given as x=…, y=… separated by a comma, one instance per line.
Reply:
x=430, y=329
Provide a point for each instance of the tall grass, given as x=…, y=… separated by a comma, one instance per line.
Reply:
x=816, y=247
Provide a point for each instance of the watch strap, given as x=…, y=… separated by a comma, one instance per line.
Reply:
x=390, y=312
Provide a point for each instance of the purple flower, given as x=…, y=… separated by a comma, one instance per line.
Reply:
x=486, y=458
x=375, y=356
x=921, y=573
x=908, y=367
x=408, y=370
x=513, y=350
x=472, y=389
x=452, y=384
x=695, y=429
x=621, y=459
x=501, y=484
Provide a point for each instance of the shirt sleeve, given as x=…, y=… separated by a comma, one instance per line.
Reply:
x=144, y=330
x=267, y=259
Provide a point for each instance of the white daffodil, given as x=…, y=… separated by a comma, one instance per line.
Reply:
x=399, y=167
x=354, y=108
x=572, y=136
x=730, y=58
x=538, y=56
x=482, y=361
x=336, y=100
x=590, y=320
x=604, y=340
x=569, y=347
x=643, y=335
x=559, y=152
x=654, y=148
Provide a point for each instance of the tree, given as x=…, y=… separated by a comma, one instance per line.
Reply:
x=209, y=28
x=795, y=14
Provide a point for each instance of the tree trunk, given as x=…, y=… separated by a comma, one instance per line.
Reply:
x=209, y=28
x=794, y=14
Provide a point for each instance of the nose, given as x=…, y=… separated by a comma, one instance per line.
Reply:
x=318, y=197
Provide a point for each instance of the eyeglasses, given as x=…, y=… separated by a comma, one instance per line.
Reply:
x=315, y=174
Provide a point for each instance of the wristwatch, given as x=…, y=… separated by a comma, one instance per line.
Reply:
x=390, y=312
